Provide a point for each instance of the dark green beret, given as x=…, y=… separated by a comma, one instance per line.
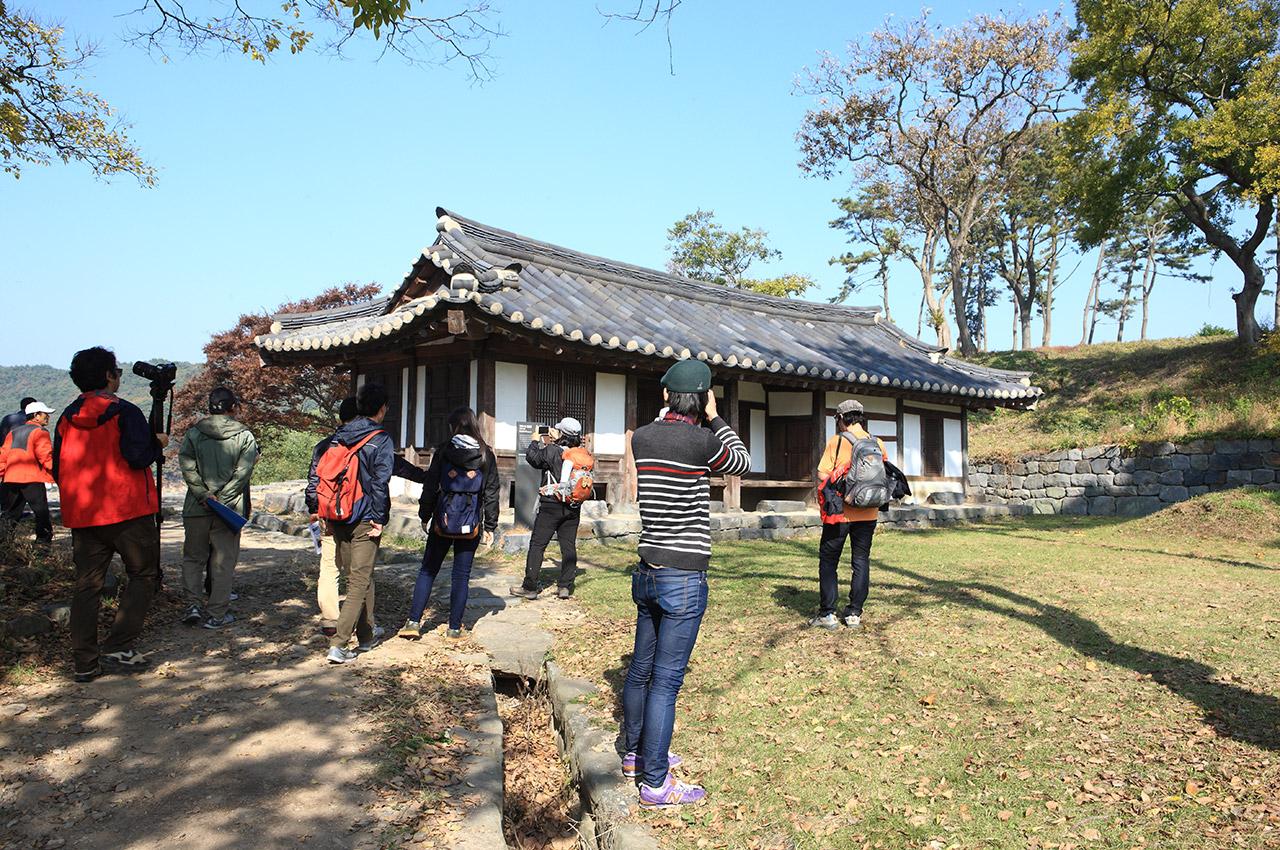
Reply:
x=688, y=376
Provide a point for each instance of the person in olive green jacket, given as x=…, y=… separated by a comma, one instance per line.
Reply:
x=216, y=459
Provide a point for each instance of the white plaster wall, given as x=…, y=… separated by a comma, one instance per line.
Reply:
x=949, y=408
x=790, y=404
x=511, y=387
x=359, y=381
x=757, y=440
x=871, y=404
x=611, y=414
x=952, y=443
x=750, y=391
x=420, y=417
x=912, y=456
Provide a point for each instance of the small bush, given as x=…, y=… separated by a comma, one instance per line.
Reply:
x=283, y=455
x=1214, y=330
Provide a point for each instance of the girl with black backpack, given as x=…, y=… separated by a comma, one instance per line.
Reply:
x=458, y=509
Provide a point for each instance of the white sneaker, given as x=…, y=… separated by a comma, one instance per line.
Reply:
x=851, y=621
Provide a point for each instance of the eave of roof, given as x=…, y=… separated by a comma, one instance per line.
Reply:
x=591, y=301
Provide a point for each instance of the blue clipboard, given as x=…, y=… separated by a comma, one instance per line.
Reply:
x=234, y=521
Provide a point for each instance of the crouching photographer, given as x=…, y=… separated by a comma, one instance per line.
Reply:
x=102, y=453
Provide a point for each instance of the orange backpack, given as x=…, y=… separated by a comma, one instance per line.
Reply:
x=576, y=479
x=339, y=487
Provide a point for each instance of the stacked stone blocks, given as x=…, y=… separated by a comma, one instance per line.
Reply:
x=1113, y=481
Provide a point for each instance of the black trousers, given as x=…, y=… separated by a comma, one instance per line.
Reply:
x=829, y=551
x=137, y=541
x=559, y=518
x=14, y=496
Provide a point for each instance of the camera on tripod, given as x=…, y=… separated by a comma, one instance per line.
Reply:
x=161, y=376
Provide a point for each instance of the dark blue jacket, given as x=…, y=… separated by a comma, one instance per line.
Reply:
x=377, y=460
x=401, y=469
x=13, y=420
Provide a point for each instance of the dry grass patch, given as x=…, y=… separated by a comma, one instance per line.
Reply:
x=1045, y=682
x=1135, y=392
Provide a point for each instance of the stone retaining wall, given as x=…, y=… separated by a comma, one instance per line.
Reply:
x=1112, y=481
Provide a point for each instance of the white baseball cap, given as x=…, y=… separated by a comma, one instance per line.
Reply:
x=37, y=407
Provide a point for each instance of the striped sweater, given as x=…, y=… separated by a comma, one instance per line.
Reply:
x=673, y=463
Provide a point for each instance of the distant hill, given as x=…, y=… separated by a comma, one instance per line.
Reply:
x=1135, y=392
x=52, y=385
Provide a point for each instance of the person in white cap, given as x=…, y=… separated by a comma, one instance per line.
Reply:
x=26, y=466
x=555, y=515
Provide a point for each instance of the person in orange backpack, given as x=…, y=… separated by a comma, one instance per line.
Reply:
x=558, y=511
x=26, y=465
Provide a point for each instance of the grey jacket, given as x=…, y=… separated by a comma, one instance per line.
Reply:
x=216, y=459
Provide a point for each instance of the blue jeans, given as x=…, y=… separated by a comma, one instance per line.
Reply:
x=464, y=552
x=669, y=608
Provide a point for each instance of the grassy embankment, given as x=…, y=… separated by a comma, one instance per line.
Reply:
x=1045, y=682
x=1135, y=392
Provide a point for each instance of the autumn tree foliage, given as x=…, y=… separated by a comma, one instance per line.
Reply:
x=943, y=114
x=301, y=397
x=703, y=250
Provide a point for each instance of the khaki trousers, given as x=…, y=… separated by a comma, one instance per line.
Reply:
x=327, y=585
x=208, y=544
x=358, y=551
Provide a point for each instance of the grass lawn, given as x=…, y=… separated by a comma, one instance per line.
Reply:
x=1045, y=682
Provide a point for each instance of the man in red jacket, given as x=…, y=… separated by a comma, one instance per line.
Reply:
x=26, y=465
x=102, y=454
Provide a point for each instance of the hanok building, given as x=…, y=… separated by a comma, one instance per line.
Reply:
x=526, y=331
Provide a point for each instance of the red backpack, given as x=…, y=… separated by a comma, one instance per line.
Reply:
x=339, y=472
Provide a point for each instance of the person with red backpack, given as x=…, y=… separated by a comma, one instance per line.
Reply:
x=459, y=510
x=354, y=499
x=841, y=521
x=566, y=469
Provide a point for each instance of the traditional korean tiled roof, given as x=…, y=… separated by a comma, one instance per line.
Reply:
x=591, y=301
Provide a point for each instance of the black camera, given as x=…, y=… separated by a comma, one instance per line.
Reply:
x=157, y=373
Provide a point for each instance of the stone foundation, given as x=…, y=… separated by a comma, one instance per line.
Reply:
x=1110, y=481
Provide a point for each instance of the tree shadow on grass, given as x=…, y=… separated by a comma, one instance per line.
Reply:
x=1232, y=711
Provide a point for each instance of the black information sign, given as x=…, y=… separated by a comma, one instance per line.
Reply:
x=527, y=477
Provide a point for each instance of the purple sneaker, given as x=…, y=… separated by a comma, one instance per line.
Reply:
x=672, y=793
x=633, y=765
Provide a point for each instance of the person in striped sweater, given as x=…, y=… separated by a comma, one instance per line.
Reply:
x=674, y=458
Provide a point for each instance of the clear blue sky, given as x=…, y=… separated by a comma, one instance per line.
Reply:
x=278, y=181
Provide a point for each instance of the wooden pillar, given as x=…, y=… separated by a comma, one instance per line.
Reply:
x=627, y=494
x=732, y=483
x=486, y=397
x=819, y=440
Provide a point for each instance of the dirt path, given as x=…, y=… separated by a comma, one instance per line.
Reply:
x=237, y=738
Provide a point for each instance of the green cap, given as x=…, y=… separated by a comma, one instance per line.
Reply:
x=688, y=376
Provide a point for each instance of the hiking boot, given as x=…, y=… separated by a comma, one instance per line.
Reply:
x=672, y=793
x=338, y=655
x=454, y=634
x=369, y=644
x=89, y=675
x=825, y=621
x=851, y=621
x=379, y=632
x=411, y=630
x=126, y=662
x=222, y=623
x=519, y=590
x=192, y=616
x=633, y=765
x=564, y=593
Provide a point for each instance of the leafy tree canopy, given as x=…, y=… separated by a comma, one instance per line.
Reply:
x=299, y=397
x=703, y=250
x=43, y=116
x=1182, y=100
